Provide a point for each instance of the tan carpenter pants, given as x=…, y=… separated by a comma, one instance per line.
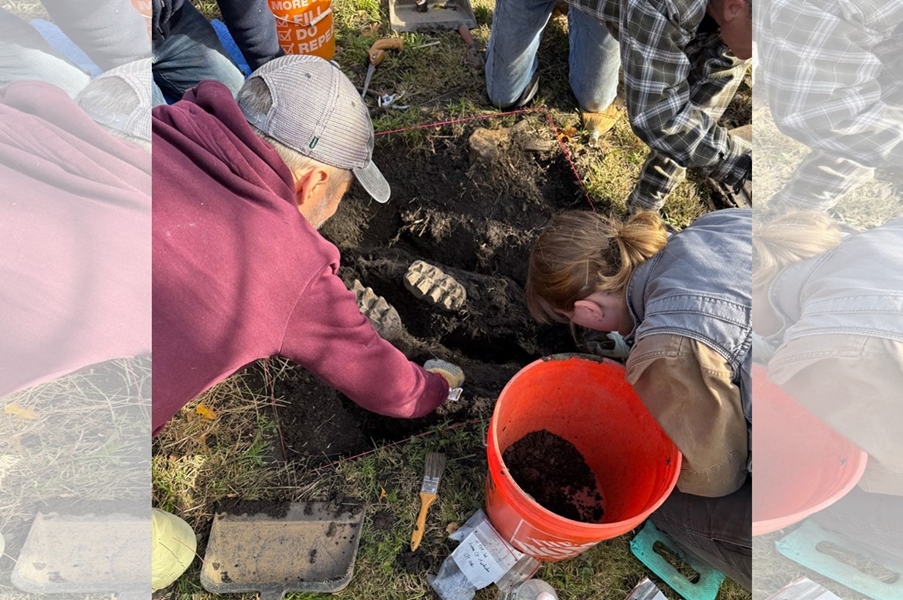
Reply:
x=687, y=387
x=854, y=383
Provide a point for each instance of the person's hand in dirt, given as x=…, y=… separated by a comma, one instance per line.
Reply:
x=451, y=373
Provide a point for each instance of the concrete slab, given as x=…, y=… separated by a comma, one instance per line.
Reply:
x=440, y=14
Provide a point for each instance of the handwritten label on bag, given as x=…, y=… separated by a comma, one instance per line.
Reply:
x=484, y=556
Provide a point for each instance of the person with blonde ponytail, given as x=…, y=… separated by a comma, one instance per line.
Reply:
x=684, y=304
x=829, y=308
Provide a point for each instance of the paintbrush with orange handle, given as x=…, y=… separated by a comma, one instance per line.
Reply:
x=432, y=474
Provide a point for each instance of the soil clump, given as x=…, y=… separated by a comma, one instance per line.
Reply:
x=272, y=508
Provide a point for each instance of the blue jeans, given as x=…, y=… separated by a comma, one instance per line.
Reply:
x=24, y=63
x=191, y=53
x=517, y=27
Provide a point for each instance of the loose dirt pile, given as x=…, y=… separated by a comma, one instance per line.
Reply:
x=553, y=472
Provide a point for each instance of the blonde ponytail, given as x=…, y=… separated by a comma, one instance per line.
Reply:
x=790, y=238
x=581, y=252
x=640, y=238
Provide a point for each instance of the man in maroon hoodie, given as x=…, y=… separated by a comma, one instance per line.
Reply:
x=75, y=196
x=240, y=272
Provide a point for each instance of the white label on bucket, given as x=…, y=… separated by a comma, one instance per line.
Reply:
x=484, y=556
x=546, y=549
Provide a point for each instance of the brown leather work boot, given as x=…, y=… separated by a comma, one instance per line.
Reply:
x=597, y=124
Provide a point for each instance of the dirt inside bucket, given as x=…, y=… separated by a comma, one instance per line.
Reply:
x=551, y=470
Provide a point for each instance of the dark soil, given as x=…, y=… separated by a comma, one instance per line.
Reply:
x=272, y=508
x=553, y=472
x=416, y=563
x=383, y=520
x=477, y=222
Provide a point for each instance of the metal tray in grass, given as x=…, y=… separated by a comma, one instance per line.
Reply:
x=299, y=547
x=85, y=548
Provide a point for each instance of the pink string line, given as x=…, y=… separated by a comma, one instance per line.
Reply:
x=461, y=120
x=543, y=111
x=567, y=155
x=397, y=443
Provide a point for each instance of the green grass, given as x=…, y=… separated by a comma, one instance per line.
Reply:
x=25, y=9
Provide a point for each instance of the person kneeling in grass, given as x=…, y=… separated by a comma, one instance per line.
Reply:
x=684, y=303
x=241, y=186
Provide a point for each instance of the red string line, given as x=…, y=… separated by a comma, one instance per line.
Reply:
x=397, y=443
x=461, y=120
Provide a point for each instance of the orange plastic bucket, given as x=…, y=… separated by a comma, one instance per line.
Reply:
x=305, y=26
x=588, y=402
x=800, y=465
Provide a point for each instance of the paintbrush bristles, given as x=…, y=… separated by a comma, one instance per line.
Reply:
x=435, y=464
x=432, y=472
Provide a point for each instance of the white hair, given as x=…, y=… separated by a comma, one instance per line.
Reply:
x=255, y=97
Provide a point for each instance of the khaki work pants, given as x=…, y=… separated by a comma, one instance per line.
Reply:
x=687, y=388
x=854, y=383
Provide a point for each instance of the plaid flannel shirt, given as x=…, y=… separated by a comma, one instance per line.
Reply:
x=833, y=72
x=675, y=95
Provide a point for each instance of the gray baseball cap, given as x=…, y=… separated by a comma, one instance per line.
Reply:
x=132, y=117
x=318, y=112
